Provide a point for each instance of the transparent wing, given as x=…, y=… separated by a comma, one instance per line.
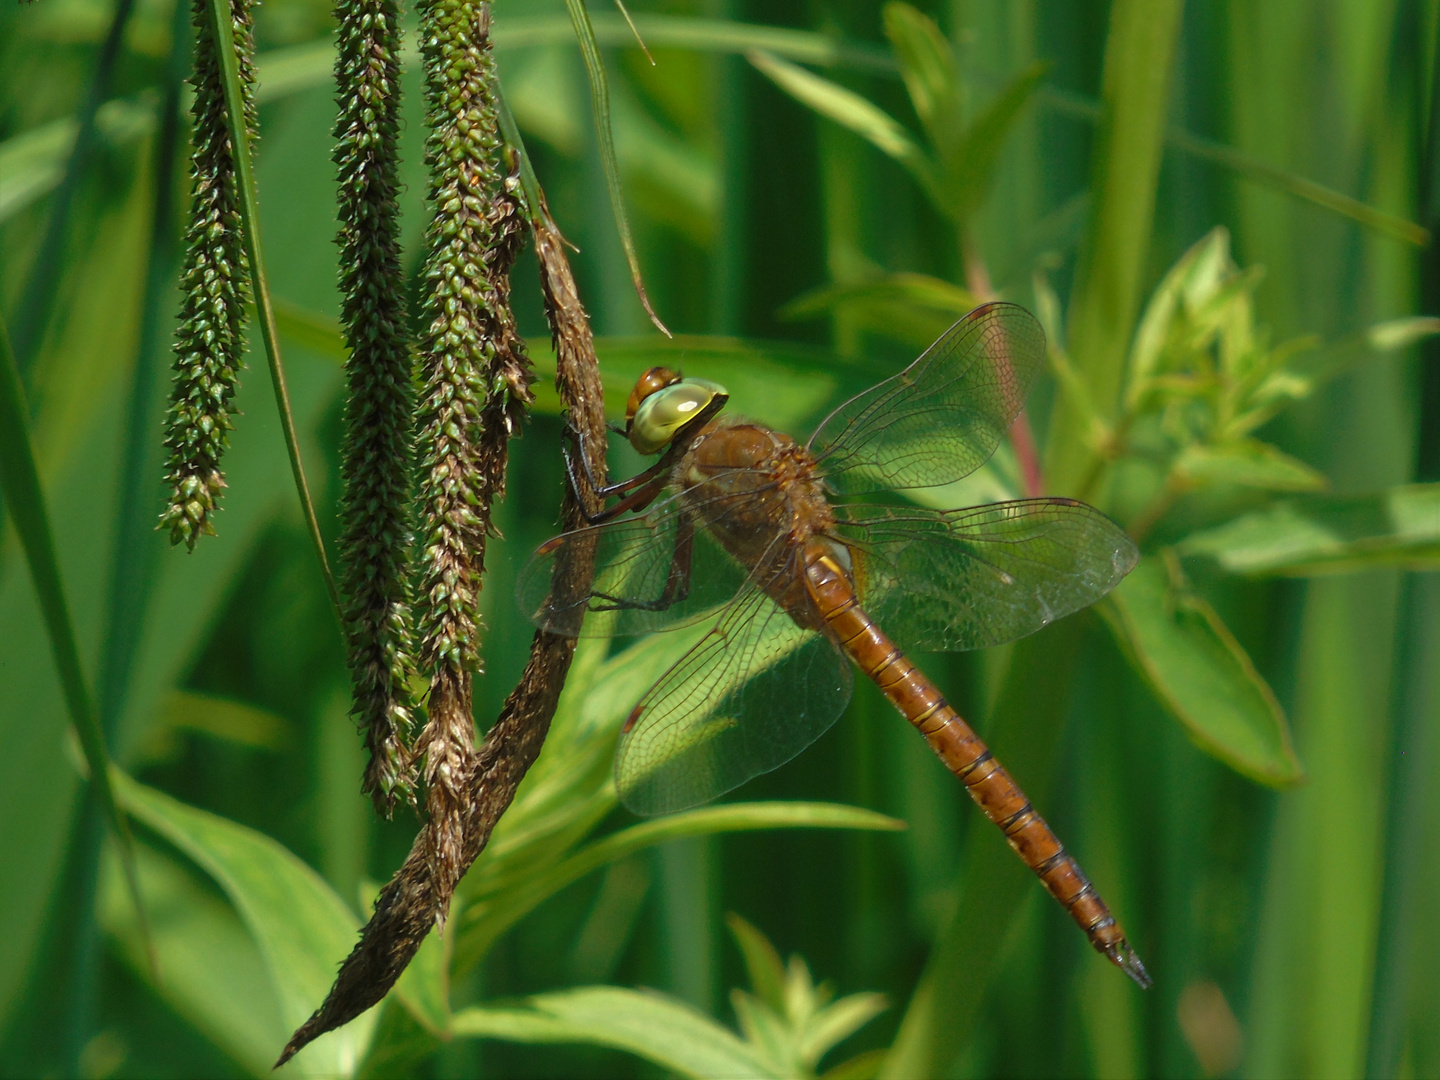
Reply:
x=967, y=579
x=654, y=571
x=751, y=694
x=942, y=417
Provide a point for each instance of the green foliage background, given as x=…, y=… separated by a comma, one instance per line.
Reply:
x=783, y=222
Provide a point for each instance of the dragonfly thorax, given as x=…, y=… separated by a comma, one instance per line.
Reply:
x=663, y=404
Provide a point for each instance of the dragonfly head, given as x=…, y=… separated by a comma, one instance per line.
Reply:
x=663, y=404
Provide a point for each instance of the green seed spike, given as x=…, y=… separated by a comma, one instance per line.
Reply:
x=376, y=455
x=467, y=337
x=210, y=339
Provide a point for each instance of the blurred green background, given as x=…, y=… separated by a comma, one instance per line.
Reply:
x=1287, y=597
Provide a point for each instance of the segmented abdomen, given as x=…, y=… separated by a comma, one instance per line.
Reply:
x=965, y=755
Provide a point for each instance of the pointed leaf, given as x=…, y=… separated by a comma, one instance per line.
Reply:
x=1249, y=463
x=1199, y=672
x=302, y=928
x=835, y=1023
x=850, y=110
x=1329, y=535
x=1369, y=344
x=932, y=78
x=864, y=1066
x=968, y=172
x=1206, y=259
x=762, y=962
x=649, y=1025
x=767, y=1034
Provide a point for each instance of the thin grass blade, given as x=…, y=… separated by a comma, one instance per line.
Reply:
x=600, y=102
x=857, y=113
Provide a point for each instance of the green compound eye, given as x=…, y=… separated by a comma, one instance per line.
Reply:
x=662, y=414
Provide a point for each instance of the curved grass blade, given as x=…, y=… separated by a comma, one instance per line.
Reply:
x=600, y=102
x=25, y=503
x=706, y=35
x=489, y=917
x=250, y=221
x=857, y=113
x=1260, y=172
x=638, y=39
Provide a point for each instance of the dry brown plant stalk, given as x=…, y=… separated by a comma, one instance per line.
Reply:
x=410, y=904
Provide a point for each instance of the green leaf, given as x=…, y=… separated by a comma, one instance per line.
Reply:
x=664, y=1031
x=1329, y=535
x=767, y=1034
x=1176, y=642
x=837, y=1021
x=850, y=110
x=24, y=502
x=302, y=928
x=1248, y=463
x=932, y=78
x=969, y=171
x=485, y=921
x=211, y=972
x=762, y=962
x=1195, y=275
x=864, y=1066
x=220, y=718
x=600, y=104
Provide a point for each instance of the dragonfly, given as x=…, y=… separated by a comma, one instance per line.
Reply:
x=799, y=561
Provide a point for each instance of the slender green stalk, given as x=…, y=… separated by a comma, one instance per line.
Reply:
x=1138, y=56
x=600, y=102
x=234, y=75
x=20, y=482
x=376, y=460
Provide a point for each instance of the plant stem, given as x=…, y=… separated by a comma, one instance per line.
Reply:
x=1138, y=54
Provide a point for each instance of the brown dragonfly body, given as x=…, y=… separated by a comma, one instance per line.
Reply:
x=807, y=572
x=957, y=745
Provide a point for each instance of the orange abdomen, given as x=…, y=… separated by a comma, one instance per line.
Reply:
x=965, y=755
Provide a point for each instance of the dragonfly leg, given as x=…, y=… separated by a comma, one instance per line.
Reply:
x=652, y=483
x=677, y=584
x=603, y=491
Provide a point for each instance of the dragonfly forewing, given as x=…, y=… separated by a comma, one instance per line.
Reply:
x=942, y=417
x=969, y=579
